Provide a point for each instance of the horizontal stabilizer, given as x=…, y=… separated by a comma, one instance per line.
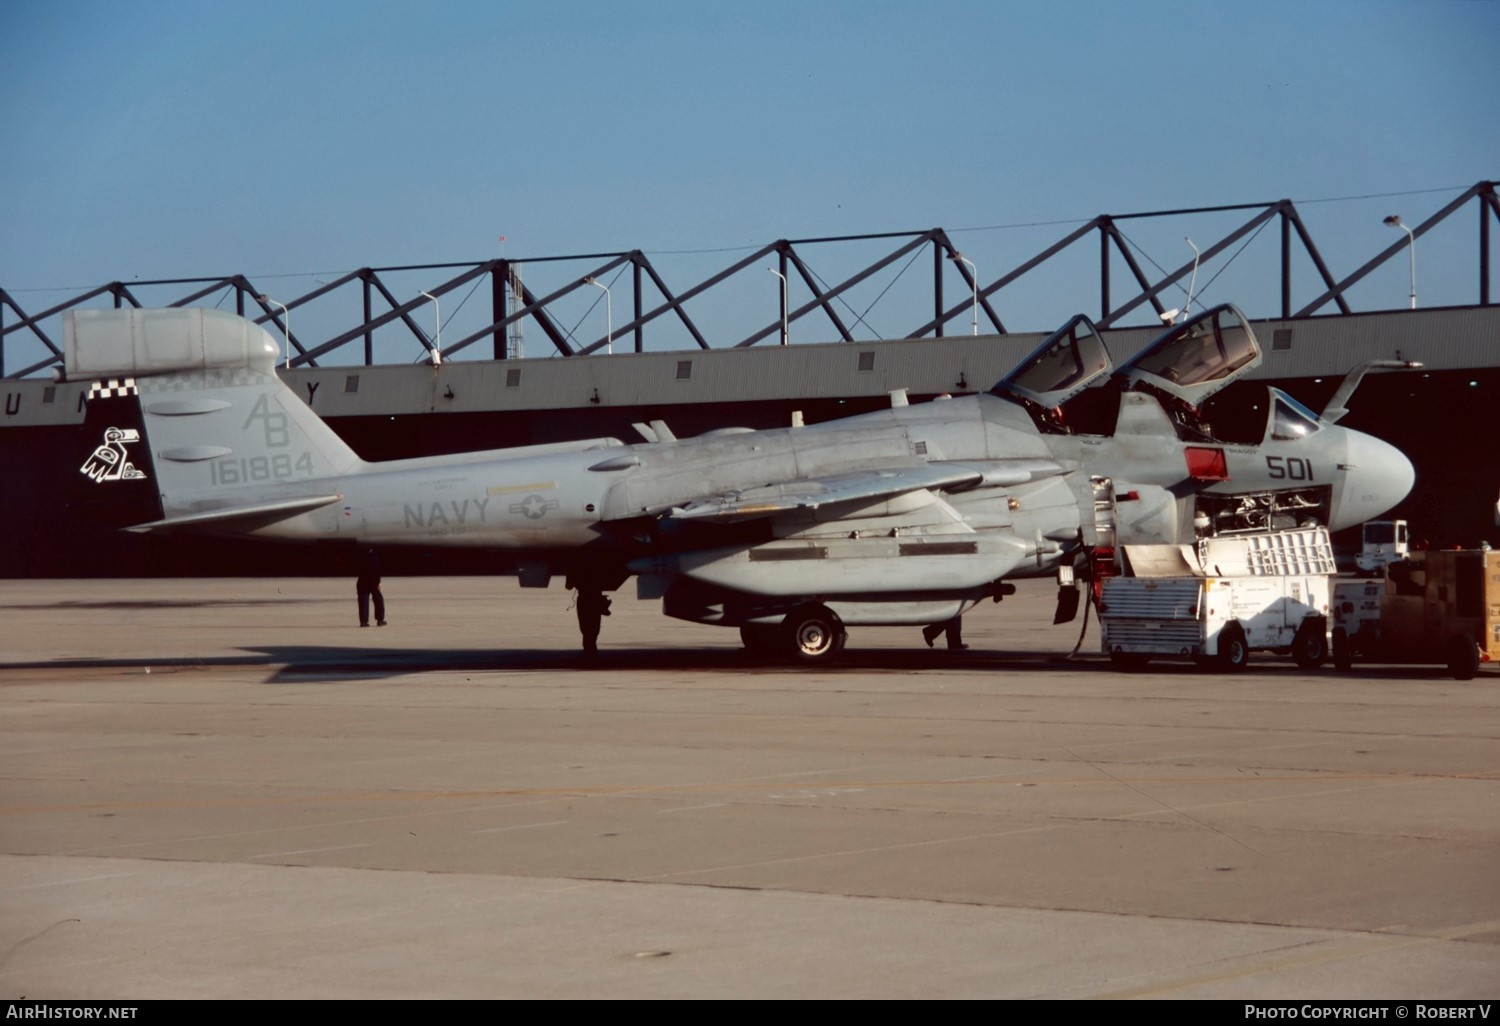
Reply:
x=239, y=518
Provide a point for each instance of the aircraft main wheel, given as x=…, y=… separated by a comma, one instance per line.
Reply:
x=1234, y=650
x=813, y=634
x=1343, y=650
x=1310, y=646
x=1463, y=657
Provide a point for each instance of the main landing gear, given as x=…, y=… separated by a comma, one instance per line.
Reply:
x=811, y=635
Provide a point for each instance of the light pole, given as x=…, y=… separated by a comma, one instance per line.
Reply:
x=286, y=325
x=783, y=302
x=609, y=316
x=437, y=322
x=975, y=272
x=1411, y=247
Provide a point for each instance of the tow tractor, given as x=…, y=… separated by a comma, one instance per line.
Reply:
x=1440, y=606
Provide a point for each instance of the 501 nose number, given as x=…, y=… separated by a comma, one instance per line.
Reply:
x=1289, y=468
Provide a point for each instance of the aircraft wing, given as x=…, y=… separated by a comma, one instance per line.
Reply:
x=858, y=486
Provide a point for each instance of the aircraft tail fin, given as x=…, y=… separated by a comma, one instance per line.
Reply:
x=116, y=483
x=220, y=429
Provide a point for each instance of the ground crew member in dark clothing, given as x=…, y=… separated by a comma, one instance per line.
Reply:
x=954, y=628
x=592, y=604
x=367, y=586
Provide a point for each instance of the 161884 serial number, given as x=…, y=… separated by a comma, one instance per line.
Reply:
x=250, y=469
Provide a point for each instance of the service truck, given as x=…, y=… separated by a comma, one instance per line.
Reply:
x=1219, y=599
x=1383, y=542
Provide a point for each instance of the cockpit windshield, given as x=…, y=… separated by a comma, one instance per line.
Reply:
x=1290, y=420
x=1197, y=358
x=1067, y=362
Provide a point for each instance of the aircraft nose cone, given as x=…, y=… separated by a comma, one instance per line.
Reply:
x=1379, y=477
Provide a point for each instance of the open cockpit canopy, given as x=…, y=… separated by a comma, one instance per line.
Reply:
x=1069, y=360
x=1193, y=360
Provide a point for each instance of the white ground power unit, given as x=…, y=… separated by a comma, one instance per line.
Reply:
x=1218, y=600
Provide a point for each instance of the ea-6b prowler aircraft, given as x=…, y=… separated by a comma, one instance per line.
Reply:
x=908, y=515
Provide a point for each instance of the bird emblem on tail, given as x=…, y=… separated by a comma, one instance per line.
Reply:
x=108, y=462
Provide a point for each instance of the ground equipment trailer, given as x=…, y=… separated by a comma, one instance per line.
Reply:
x=1440, y=606
x=1216, y=601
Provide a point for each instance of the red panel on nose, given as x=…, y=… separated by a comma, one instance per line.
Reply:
x=1206, y=464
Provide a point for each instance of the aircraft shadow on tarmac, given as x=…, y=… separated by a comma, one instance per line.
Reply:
x=336, y=664
x=308, y=665
x=302, y=664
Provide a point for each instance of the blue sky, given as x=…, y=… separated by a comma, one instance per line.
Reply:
x=295, y=141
